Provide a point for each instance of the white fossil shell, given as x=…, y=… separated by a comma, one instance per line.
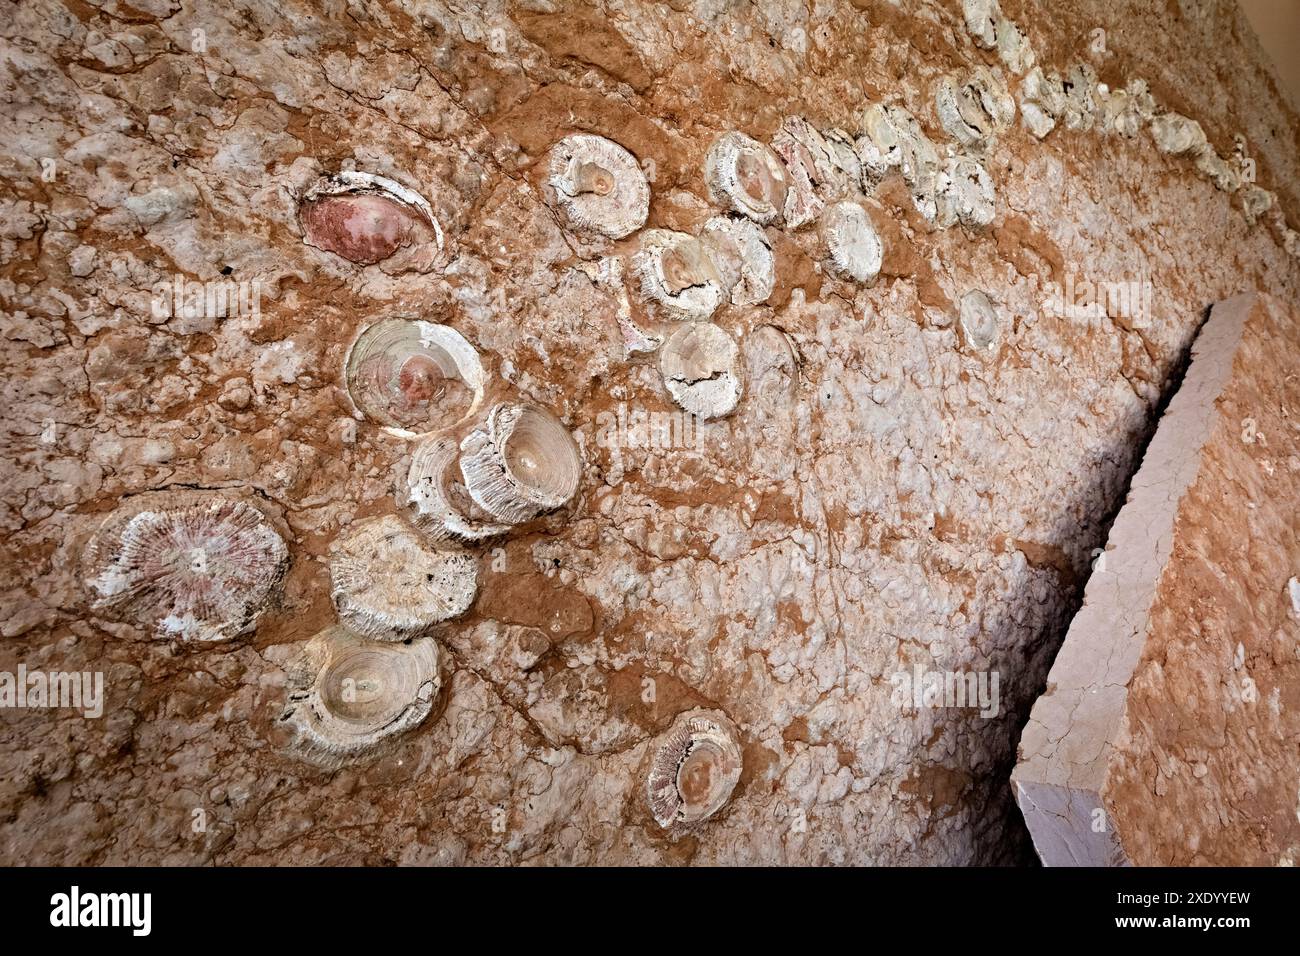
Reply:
x=973, y=109
x=389, y=585
x=189, y=565
x=598, y=185
x=918, y=159
x=695, y=767
x=878, y=146
x=520, y=463
x=366, y=218
x=1176, y=134
x=1013, y=47
x=812, y=176
x=1080, y=86
x=982, y=17
x=743, y=175
x=435, y=498
x=414, y=377
x=852, y=242
x=742, y=258
x=979, y=320
x=1042, y=101
x=676, y=272
x=844, y=154
x=1255, y=201
x=701, y=370
x=346, y=694
x=1215, y=168
x=966, y=193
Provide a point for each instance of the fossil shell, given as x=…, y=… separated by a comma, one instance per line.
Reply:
x=366, y=219
x=982, y=18
x=188, y=565
x=389, y=585
x=598, y=185
x=966, y=193
x=1215, y=168
x=676, y=272
x=1013, y=47
x=700, y=367
x=745, y=176
x=414, y=377
x=916, y=156
x=855, y=249
x=694, y=769
x=979, y=320
x=520, y=463
x=741, y=257
x=1176, y=134
x=812, y=176
x=1080, y=87
x=347, y=694
x=1255, y=201
x=972, y=110
x=878, y=146
x=1042, y=101
x=435, y=497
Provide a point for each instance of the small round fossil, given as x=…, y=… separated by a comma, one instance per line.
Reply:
x=187, y=565
x=979, y=320
x=700, y=366
x=389, y=585
x=598, y=185
x=520, y=463
x=694, y=769
x=414, y=377
x=812, y=176
x=346, y=694
x=435, y=498
x=366, y=219
x=745, y=176
x=852, y=242
x=742, y=258
x=676, y=272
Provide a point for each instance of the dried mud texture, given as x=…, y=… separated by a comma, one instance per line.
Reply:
x=880, y=498
x=1169, y=733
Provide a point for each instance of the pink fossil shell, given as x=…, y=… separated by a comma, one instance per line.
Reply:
x=366, y=219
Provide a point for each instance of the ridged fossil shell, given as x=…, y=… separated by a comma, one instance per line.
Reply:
x=892, y=137
x=187, y=565
x=598, y=185
x=1042, y=101
x=1176, y=135
x=1013, y=47
x=812, y=176
x=347, y=694
x=694, y=769
x=1080, y=87
x=676, y=272
x=745, y=176
x=389, y=585
x=966, y=193
x=742, y=258
x=435, y=497
x=979, y=320
x=852, y=242
x=878, y=146
x=366, y=219
x=520, y=463
x=973, y=109
x=414, y=377
x=700, y=365
x=982, y=17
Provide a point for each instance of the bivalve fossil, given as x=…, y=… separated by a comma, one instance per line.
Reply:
x=1176, y=134
x=677, y=274
x=979, y=320
x=975, y=108
x=813, y=178
x=367, y=219
x=598, y=185
x=520, y=463
x=853, y=245
x=701, y=370
x=742, y=258
x=694, y=768
x=745, y=176
x=965, y=193
x=435, y=498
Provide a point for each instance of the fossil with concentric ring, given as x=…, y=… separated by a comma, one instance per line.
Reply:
x=700, y=364
x=852, y=241
x=520, y=462
x=742, y=258
x=982, y=17
x=677, y=274
x=435, y=499
x=892, y=138
x=414, y=377
x=346, y=694
x=598, y=185
x=965, y=193
x=813, y=178
x=367, y=219
x=979, y=320
x=743, y=175
x=389, y=585
x=189, y=565
x=974, y=108
x=694, y=768
x=878, y=147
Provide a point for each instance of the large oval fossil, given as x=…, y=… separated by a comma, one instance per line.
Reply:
x=520, y=463
x=677, y=274
x=187, y=565
x=414, y=377
x=366, y=219
x=346, y=694
x=700, y=365
x=852, y=242
x=598, y=185
x=742, y=258
x=979, y=320
x=695, y=767
x=743, y=175
x=436, y=499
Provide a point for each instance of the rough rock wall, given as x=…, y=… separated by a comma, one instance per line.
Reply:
x=886, y=497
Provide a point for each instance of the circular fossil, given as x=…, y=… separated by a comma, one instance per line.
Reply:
x=414, y=377
x=520, y=463
x=742, y=174
x=598, y=185
x=188, y=565
x=677, y=273
x=979, y=320
x=435, y=497
x=695, y=767
x=347, y=694
x=389, y=585
x=742, y=258
x=856, y=251
x=366, y=219
x=701, y=370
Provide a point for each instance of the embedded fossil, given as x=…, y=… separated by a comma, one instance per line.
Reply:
x=1080, y=108
x=675, y=272
x=1255, y=201
x=982, y=18
x=367, y=219
x=878, y=146
x=852, y=242
x=1175, y=134
x=1124, y=111
x=598, y=185
x=979, y=320
x=812, y=176
x=742, y=258
x=520, y=463
x=1013, y=47
x=700, y=367
x=1215, y=168
x=694, y=769
x=414, y=377
x=389, y=585
x=435, y=498
x=347, y=694
x=844, y=155
x=972, y=110
x=965, y=193
x=1042, y=101
x=892, y=137
x=743, y=175
x=187, y=565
